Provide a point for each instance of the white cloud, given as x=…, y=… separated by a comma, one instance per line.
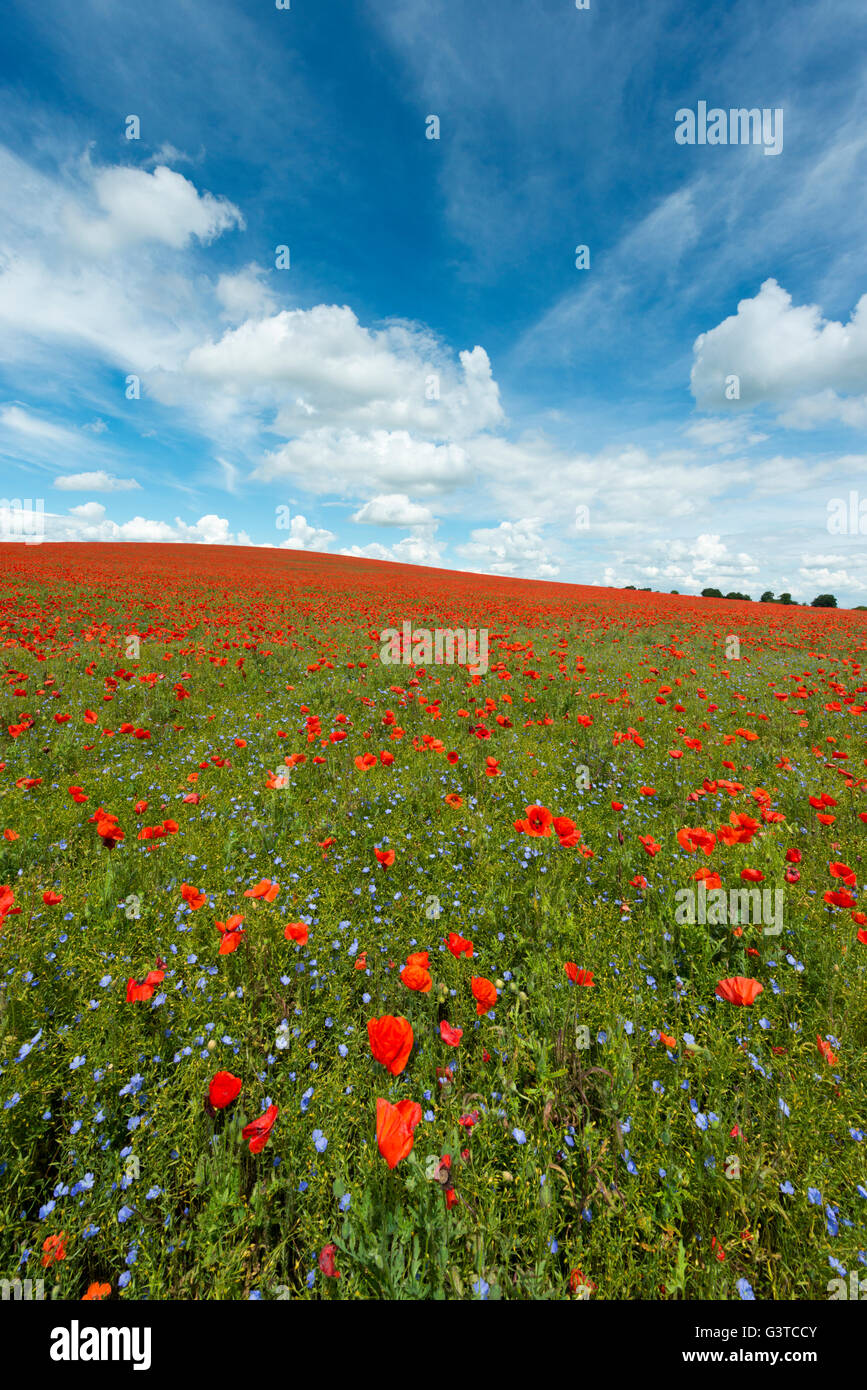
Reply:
x=138, y=206
x=230, y=475
x=827, y=580
x=88, y=511
x=782, y=353
x=320, y=366
x=825, y=406
x=302, y=536
x=417, y=549
x=726, y=434
x=98, y=481
x=138, y=311
x=702, y=562
x=327, y=460
x=513, y=546
x=393, y=509
x=23, y=422
x=88, y=522
x=243, y=294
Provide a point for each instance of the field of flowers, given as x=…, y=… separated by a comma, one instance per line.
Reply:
x=326, y=978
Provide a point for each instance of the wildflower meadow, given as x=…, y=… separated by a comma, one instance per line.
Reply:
x=329, y=976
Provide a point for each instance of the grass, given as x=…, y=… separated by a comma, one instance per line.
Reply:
x=597, y=1148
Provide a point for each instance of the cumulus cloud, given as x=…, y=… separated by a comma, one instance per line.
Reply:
x=138, y=206
x=88, y=511
x=320, y=366
x=826, y=580
x=393, y=509
x=302, y=536
x=784, y=355
x=64, y=275
x=419, y=548
x=328, y=460
x=704, y=561
x=513, y=546
x=88, y=522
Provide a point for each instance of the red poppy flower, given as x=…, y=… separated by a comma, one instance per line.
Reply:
x=192, y=896
x=417, y=978
x=96, y=1292
x=265, y=888
x=459, y=946
x=578, y=977
x=825, y=1049
x=693, y=838
x=54, y=1249
x=385, y=857
x=52, y=899
x=326, y=1261
x=739, y=990
x=843, y=871
x=224, y=1088
x=258, y=1131
x=451, y=1036
x=394, y=1128
x=109, y=832
x=140, y=992
x=538, y=821
x=297, y=931
x=232, y=934
x=391, y=1041
x=484, y=993
x=839, y=898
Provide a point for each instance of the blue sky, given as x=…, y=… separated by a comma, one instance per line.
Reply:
x=432, y=379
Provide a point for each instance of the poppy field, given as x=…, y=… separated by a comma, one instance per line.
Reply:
x=328, y=978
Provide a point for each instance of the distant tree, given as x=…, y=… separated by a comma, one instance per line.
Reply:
x=745, y=598
x=860, y=608
x=787, y=599
x=711, y=593
x=630, y=586
x=767, y=597
x=675, y=591
x=824, y=601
